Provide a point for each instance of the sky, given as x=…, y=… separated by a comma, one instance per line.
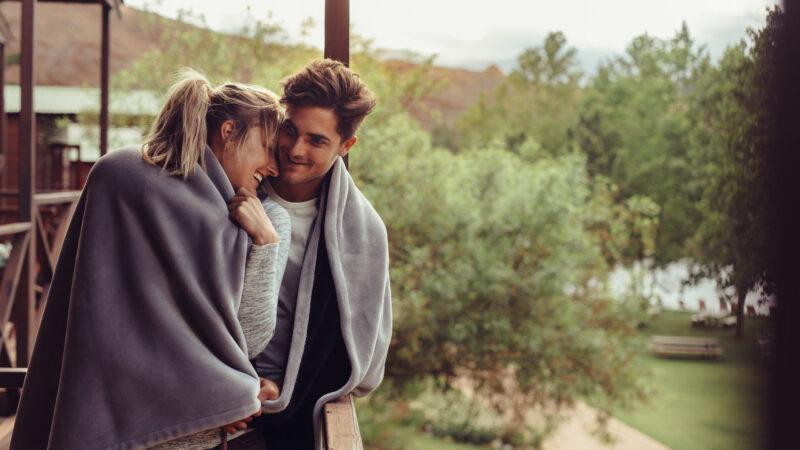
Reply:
x=475, y=34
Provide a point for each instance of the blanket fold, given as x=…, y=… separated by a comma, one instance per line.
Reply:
x=356, y=246
x=139, y=342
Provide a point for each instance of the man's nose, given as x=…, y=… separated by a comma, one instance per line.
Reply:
x=296, y=149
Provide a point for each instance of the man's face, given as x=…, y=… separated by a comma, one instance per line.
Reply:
x=308, y=145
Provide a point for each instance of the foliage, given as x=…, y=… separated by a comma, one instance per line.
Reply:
x=501, y=245
x=258, y=53
x=734, y=111
x=494, y=272
x=634, y=128
x=538, y=101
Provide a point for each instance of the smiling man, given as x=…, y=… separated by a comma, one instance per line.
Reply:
x=334, y=315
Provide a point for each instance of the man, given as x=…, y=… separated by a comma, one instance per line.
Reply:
x=334, y=315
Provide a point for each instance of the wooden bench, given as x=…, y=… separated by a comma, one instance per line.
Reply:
x=686, y=346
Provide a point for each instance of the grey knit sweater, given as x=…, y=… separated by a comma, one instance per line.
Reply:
x=262, y=281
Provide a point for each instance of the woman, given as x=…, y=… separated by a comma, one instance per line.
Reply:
x=166, y=284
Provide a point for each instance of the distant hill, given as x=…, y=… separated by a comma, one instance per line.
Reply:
x=460, y=89
x=68, y=42
x=68, y=54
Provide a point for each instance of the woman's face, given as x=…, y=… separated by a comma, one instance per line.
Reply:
x=253, y=161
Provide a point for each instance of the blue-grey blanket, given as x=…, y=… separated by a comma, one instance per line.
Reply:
x=357, y=251
x=139, y=342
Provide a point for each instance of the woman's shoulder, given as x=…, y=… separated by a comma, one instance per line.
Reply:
x=118, y=162
x=121, y=172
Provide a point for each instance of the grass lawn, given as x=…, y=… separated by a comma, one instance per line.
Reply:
x=421, y=441
x=700, y=404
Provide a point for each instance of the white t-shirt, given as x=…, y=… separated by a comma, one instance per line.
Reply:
x=271, y=363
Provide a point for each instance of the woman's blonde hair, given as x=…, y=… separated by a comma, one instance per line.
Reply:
x=194, y=108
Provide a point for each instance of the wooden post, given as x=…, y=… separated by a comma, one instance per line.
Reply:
x=25, y=304
x=337, y=36
x=3, y=123
x=104, y=78
x=337, y=30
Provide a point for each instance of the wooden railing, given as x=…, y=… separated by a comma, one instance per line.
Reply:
x=22, y=297
x=20, y=235
x=341, y=425
x=52, y=214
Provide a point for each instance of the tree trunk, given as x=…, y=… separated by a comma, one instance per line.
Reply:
x=742, y=294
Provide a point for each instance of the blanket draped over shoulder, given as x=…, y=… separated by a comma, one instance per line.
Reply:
x=139, y=342
x=356, y=246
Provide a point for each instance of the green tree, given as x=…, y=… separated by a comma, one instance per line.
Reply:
x=538, y=101
x=735, y=113
x=634, y=128
x=496, y=276
x=258, y=53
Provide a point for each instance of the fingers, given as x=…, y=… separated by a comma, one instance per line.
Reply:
x=240, y=425
x=232, y=428
x=269, y=390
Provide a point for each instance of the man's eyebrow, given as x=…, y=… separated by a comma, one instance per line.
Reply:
x=289, y=124
x=321, y=137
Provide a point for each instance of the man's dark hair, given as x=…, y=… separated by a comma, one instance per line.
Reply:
x=329, y=84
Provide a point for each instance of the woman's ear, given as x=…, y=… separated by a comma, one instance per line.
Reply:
x=226, y=129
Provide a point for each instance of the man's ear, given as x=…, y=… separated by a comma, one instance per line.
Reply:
x=347, y=145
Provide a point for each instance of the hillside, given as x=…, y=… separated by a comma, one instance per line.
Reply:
x=68, y=54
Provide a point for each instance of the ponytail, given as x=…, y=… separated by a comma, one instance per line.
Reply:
x=177, y=140
x=178, y=137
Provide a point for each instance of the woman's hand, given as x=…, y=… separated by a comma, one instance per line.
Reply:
x=268, y=391
x=246, y=209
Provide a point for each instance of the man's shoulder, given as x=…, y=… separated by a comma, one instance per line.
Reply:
x=368, y=216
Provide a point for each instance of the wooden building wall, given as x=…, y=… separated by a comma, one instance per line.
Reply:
x=53, y=170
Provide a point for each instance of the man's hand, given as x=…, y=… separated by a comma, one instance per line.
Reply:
x=268, y=391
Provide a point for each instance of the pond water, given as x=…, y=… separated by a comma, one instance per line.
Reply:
x=667, y=284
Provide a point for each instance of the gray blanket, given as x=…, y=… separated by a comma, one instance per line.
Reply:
x=139, y=343
x=357, y=247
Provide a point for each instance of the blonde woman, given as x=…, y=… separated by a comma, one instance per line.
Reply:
x=166, y=286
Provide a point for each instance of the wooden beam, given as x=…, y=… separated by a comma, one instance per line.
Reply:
x=56, y=198
x=11, y=275
x=63, y=226
x=104, y=77
x=14, y=228
x=12, y=377
x=3, y=123
x=337, y=30
x=49, y=258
